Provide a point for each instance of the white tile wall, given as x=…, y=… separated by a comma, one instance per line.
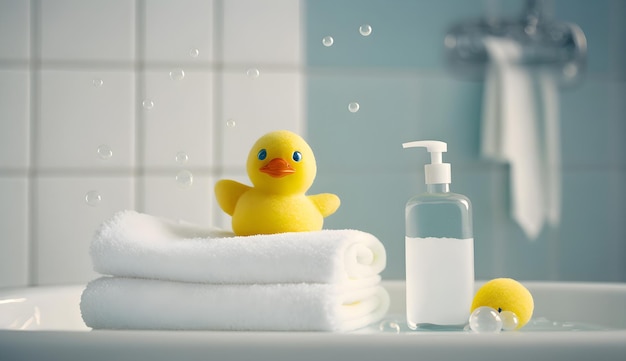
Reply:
x=74, y=75
x=179, y=117
x=14, y=250
x=179, y=31
x=14, y=118
x=82, y=111
x=87, y=30
x=69, y=210
x=188, y=196
x=14, y=30
x=251, y=34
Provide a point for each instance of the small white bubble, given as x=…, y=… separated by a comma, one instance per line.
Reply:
x=194, y=53
x=328, y=41
x=485, y=319
x=97, y=82
x=365, y=29
x=570, y=70
x=104, y=152
x=177, y=74
x=391, y=326
x=181, y=158
x=509, y=320
x=353, y=107
x=449, y=41
x=93, y=198
x=253, y=73
x=231, y=123
x=184, y=178
x=148, y=104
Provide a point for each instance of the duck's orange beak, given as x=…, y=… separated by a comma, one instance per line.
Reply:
x=277, y=168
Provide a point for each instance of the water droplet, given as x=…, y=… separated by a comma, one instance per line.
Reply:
x=177, y=74
x=328, y=41
x=97, y=82
x=104, y=152
x=184, y=178
x=391, y=326
x=194, y=53
x=353, y=107
x=253, y=73
x=449, y=41
x=231, y=123
x=509, y=320
x=93, y=198
x=181, y=157
x=570, y=70
x=485, y=319
x=365, y=30
x=148, y=104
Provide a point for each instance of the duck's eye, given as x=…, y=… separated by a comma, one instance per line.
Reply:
x=297, y=156
x=262, y=154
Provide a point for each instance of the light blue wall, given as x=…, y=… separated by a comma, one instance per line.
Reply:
x=399, y=78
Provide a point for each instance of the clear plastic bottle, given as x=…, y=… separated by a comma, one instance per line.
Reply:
x=439, y=249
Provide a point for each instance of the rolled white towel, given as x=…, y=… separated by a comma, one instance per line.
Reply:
x=132, y=244
x=131, y=303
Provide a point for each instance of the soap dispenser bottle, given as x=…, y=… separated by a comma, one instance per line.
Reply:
x=439, y=248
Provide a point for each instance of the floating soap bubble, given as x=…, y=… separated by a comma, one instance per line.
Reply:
x=253, y=73
x=148, y=104
x=104, y=152
x=328, y=41
x=509, y=320
x=365, y=29
x=97, y=82
x=194, y=53
x=93, y=198
x=177, y=74
x=392, y=326
x=570, y=70
x=184, y=178
x=231, y=123
x=485, y=319
x=182, y=158
x=353, y=107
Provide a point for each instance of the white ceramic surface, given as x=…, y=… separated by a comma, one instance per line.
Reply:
x=54, y=331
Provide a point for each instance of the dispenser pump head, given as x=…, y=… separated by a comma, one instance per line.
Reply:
x=436, y=172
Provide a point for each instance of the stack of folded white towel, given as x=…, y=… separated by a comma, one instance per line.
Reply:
x=162, y=274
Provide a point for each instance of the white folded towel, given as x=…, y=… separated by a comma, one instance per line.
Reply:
x=129, y=303
x=132, y=244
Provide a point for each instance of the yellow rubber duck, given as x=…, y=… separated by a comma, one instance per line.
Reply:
x=282, y=167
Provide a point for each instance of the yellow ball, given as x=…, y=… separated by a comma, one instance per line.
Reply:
x=506, y=294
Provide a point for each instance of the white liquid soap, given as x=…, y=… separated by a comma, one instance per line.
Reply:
x=439, y=248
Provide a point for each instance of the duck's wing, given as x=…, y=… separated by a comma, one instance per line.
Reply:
x=227, y=193
x=327, y=203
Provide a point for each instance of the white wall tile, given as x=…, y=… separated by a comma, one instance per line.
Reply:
x=94, y=30
x=66, y=223
x=258, y=32
x=13, y=232
x=78, y=116
x=180, y=118
x=255, y=106
x=179, y=31
x=14, y=30
x=170, y=197
x=14, y=118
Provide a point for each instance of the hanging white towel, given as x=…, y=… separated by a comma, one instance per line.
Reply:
x=520, y=126
x=133, y=244
x=130, y=303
